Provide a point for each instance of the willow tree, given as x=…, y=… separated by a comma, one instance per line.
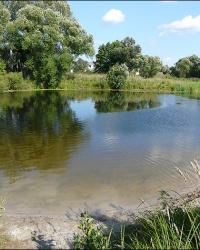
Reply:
x=41, y=39
x=149, y=66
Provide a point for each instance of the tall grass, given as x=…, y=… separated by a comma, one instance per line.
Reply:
x=174, y=224
x=92, y=81
x=163, y=83
x=159, y=83
x=84, y=82
x=14, y=81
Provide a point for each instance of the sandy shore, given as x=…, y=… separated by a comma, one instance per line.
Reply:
x=57, y=231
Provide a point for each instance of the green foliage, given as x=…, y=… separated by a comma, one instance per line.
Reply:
x=170, y=226
x=117, y=76
x=2, y=68
x=149, y=66
x=187, y=67
x=41, y=38
x=14, y=81
x=84, y=81
x=80, y=66
x=92, y=237
x=121, y=52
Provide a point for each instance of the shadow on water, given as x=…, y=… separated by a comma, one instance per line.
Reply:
x=39, y=131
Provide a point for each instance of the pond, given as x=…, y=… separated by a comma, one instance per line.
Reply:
x=62, y=150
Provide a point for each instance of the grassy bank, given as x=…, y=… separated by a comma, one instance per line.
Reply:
x=160, y=83
x=173, y=224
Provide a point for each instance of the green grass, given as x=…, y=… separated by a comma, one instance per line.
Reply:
x=167, y=227
x=159, y=83
x=92, y=81
x=173, y=224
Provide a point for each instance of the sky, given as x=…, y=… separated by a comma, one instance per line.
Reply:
x=168, y=29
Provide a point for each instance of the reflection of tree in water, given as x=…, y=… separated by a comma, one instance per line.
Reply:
x=121, y=101
x=41, y=133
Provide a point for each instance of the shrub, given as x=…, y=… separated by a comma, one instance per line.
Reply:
x=2, y=68
x=92, y=237
x=117, y=76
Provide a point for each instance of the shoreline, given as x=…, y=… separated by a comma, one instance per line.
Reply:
x=57, y=231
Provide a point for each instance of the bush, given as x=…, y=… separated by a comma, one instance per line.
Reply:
x=92, y=237
x=2, y=68
x=117, y=76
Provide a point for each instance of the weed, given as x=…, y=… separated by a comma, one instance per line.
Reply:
x=92, y=237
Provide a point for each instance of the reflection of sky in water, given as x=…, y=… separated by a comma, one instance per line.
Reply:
x=167, y=100
x=83, y=109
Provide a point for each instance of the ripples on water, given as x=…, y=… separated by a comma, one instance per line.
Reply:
x=59, y=150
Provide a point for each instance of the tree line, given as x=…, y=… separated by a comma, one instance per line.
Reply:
x=43, y=40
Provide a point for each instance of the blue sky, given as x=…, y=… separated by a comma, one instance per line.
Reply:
x=168, y=29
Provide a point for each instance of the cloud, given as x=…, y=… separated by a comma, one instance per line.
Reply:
x=168, y=1
x=187, y=25
x=98, y=42
x=113, y=16
x=167, y=59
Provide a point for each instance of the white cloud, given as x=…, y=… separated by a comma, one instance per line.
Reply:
x=113, y=16
x=98, y=42
x=187, y=25
x=167, y=59
x=168, y=1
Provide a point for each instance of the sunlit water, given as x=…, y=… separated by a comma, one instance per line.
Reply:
x=74, y=150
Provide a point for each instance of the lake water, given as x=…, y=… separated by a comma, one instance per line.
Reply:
x=62, y=150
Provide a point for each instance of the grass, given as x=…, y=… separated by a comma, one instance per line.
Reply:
x=159, y=83
x=93, y=81
x=174, y=224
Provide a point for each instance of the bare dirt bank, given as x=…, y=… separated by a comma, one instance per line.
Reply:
x=54, y=232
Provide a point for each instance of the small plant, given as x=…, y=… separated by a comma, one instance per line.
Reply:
x=117, y=76
x=1, y=205
x=92, y=237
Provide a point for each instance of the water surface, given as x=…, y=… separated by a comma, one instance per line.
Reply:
x=62, y=149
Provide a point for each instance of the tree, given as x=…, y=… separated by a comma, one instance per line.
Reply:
x=121, y=52
x=187, y=67
x=183, y=67
x=41, y=39
x=195, y=66
x=80, y=65
x=149, y=66
x=117, y=76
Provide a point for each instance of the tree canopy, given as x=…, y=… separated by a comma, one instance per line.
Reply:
x=121, y=52
x=41, y=39
x=149, y=66
x=187, y=67
x=80, y=65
